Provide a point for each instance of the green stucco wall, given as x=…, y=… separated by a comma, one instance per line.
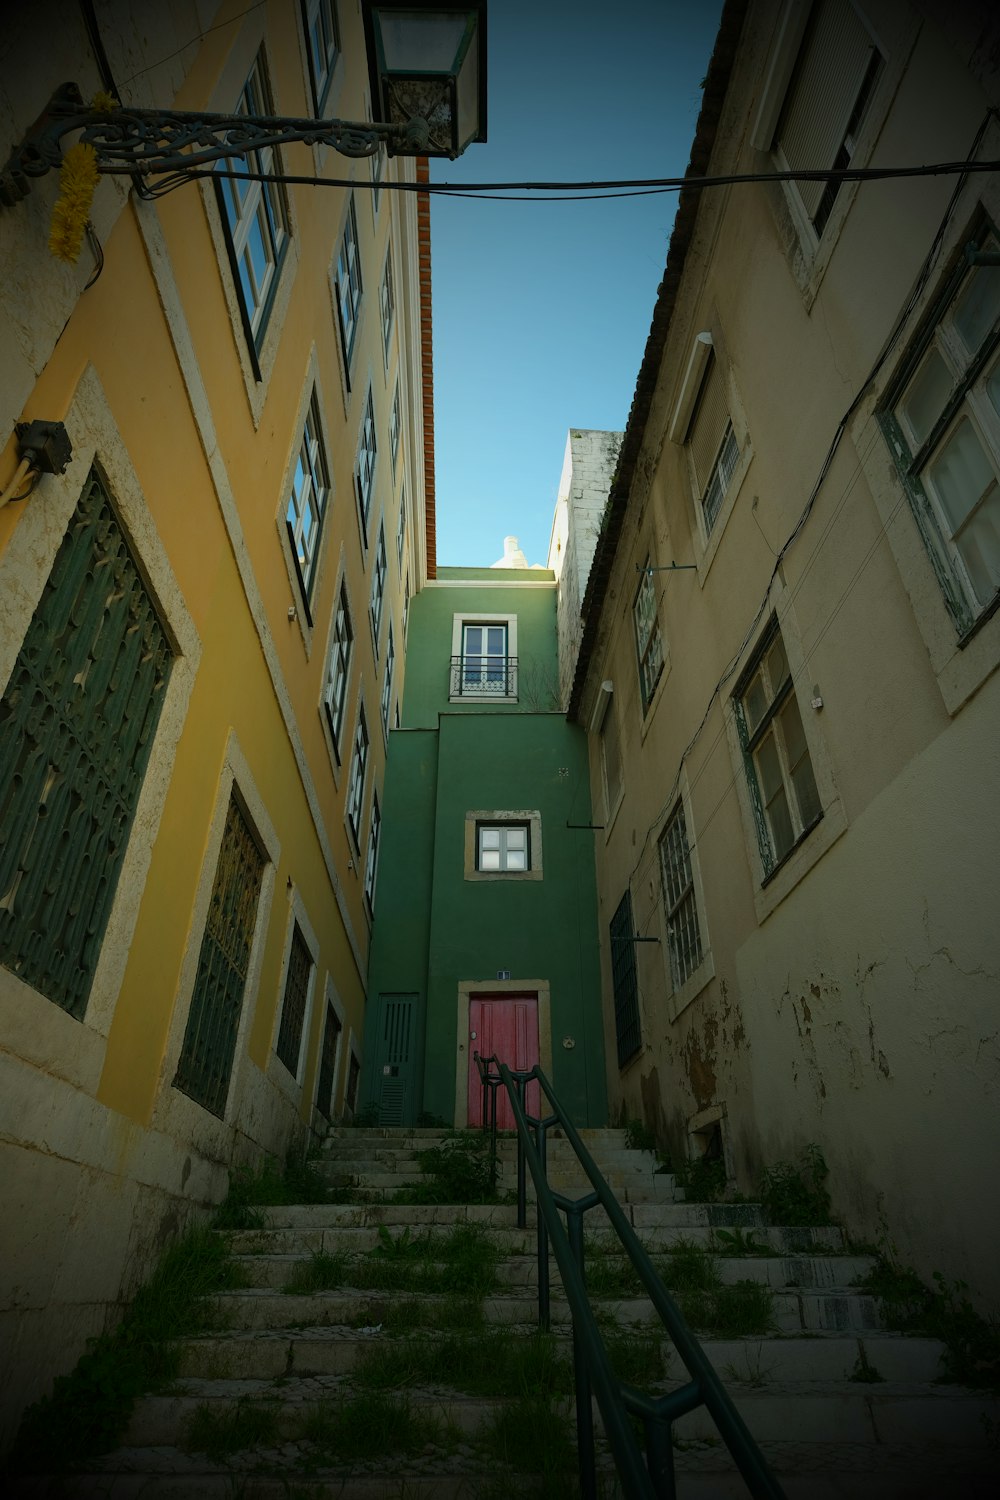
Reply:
x=435, y=929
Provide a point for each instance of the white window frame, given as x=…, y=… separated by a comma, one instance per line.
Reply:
x=651, y=656
x=323, y=51
x=967, y=401
x=310, y=491
x=261, y=206
x=390, y=661
x=401, y=527
x=371, y=858
x=406, y=606
x=476, y=819
x=349, y=287
x=338, y=669
x=458, y=691
x=364, y=468
x=378, y=162
x=380, y=568
x=769, y=727
x=394, y=426
x=354, y=802
x=387, y=305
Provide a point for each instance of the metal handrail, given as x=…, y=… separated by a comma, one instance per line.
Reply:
x=654, y=1476
x=480, y=676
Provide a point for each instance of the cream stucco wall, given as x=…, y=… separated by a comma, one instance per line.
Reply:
x=849, y=999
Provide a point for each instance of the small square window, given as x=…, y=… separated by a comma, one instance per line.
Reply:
x=503, y=848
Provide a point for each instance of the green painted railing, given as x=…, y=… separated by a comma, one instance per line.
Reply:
x=642, y=1478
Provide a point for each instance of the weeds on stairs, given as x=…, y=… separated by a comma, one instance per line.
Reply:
x=458, y=1171
x=972, y=1342
x=269, y=1186
x=88, y=1410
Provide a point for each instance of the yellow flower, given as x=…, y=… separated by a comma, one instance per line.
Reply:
x=71, y=210
x=104, y=103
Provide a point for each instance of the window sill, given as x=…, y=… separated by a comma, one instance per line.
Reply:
x=479, y=698
x=710, y=543
x=808, y=849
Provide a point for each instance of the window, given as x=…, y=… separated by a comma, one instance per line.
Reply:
x=356, y=788
x=611, y=757
x=298, y=982
x=78, y=718
x=394, y=426
x=328, y=1062
x=386, y=304
x=255, y=216
x=779, y=770
x=406, y=606
x=944, y=428
x=712, y=447
x=353, y=1078
x=378, y=584
x=338, y=669
x=349, y=287
x=401, y=528
x=506, y=847
x=322, y=46
x=683, y=931
x=364, y=473
x=206, y=1061
x=624, y=982
x=307, y=502
x=484, y=667
x=390, y=657
x=378, y=167
x=371, y=861
x=648, y=642
x=835, y=76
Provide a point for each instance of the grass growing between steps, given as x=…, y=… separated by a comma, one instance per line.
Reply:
x=533, y=1437
x=89, y=1409
x=375, y=1424
x=492, y=1363
x=220, y=1431
x=972, y=1342
x=458, y=1171
x=397, y=1317
x=463, y=1262
x=271, y=1186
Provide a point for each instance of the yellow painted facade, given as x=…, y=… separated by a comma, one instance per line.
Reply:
x=196, y=432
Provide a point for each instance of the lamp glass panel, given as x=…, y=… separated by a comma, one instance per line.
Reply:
x=420, y=41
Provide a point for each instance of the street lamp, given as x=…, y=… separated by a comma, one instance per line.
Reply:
x=429, y=61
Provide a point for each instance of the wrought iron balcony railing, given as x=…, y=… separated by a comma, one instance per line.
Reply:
x=483, y=677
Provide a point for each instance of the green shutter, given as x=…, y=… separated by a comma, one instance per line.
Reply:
x=206, y=1060
x=77, y=723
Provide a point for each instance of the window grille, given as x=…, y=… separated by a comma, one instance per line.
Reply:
x=77, y=723
x=328, y=1063
x=648, y=641
x=624, y=982
x=206, y=1060
x=683, y=932
x=293, y=1011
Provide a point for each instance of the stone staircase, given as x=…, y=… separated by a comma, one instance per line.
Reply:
x=328, y=1378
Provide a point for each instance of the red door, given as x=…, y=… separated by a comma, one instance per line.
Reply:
x=503, y=1026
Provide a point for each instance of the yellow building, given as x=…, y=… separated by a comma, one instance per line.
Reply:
x=201, y=642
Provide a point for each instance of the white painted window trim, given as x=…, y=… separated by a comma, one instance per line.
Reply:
x=303, y=604
x=459, y=622
x=492, y=817
x=32, y=1026
x=336, y=747
x=277, y=1072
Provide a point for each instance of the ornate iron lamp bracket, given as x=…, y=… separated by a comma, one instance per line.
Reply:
x=152, y=142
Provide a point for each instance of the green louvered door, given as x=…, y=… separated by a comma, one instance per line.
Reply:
x=398, y=1059
x=77, y=722
x=206, y=1060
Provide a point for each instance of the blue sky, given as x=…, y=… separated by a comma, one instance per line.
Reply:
x=541, y=310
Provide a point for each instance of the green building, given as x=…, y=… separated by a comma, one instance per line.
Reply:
x=485, y=925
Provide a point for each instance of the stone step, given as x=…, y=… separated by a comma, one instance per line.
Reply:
x=832, y=1309
x=272, y=1271
x=332, y=1350
x=357, y=1238
x=644, y=1216
x=827, y=1412
x=424, y=1138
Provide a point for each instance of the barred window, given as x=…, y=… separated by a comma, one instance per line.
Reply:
x=206, y=1061
x=328, y=1062
x=77, y=723
x=293, y=1011
x=683, y=931
x=648, y=641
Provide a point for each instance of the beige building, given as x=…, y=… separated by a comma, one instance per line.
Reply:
x=201, y=643
x=790, y=637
